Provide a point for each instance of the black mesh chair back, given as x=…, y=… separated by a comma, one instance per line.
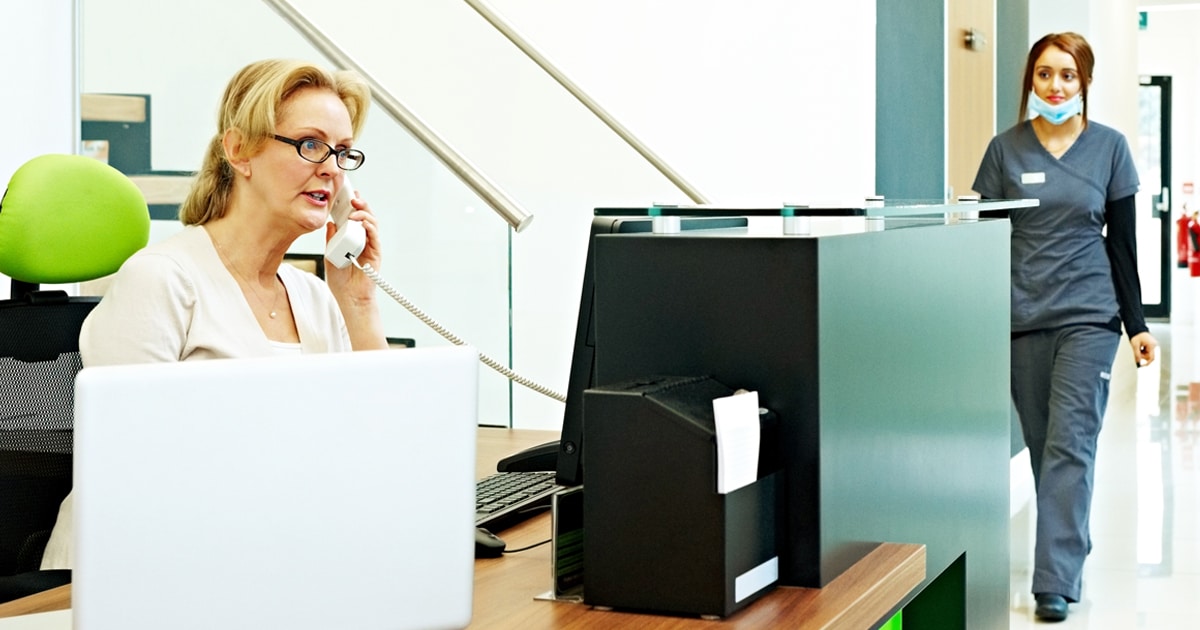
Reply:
x=39, y=358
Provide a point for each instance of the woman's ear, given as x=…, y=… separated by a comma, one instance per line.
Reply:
x=234, y=142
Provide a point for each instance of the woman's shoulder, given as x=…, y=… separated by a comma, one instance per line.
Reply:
x=1104, y=140
x=1014, y=135
x=177, y=257
x=1103, y=131
x=182, y=244
x=1099, y=127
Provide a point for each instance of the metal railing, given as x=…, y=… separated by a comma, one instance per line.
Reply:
x=476, y=181
x=533, y=53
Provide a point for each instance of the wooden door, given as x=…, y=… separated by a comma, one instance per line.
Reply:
x=971, y=91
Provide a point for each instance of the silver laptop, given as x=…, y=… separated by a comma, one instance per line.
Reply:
x=314, y=492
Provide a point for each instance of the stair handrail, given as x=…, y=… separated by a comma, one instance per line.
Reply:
x=491, y=194
x=558, y=75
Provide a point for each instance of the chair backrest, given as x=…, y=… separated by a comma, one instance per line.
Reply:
x=63, y=219
x=39, y=357
x=68, y=218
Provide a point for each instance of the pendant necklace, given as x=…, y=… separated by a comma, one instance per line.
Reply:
x=274, y=312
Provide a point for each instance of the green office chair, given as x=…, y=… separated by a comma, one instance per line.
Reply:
x=63, y=219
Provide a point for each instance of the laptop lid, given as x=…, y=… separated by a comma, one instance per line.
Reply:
x=321, y=491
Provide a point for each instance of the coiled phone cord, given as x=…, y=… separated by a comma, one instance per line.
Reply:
x=419, y=314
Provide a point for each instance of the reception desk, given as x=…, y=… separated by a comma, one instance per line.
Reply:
x=884, y=350
x=507, y=588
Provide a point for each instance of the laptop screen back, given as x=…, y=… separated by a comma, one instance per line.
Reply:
x=322, y=491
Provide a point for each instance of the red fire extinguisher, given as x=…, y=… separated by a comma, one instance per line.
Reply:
x=1183, y=241
x=1194, y=246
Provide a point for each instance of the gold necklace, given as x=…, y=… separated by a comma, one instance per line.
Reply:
x=274, y=312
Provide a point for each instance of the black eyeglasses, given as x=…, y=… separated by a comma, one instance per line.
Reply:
x=317, y=152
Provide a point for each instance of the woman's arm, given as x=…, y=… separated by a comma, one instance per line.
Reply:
x=1121, y=244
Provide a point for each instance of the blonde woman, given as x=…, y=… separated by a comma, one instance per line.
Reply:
x=219, y=288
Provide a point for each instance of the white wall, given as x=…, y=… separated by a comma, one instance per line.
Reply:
x=760, y=102
x=38, y=49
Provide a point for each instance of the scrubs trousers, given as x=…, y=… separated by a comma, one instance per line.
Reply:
x=1060, y=385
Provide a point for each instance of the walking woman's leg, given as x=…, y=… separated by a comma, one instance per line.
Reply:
x=1079, y=390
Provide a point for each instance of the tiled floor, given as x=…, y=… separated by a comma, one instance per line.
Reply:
x=1144, y=570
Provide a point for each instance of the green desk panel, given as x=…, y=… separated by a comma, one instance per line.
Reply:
x=885, y=354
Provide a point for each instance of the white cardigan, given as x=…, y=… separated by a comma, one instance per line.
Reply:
x=176, y=301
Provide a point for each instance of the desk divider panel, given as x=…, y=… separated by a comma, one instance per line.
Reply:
x=885, y=355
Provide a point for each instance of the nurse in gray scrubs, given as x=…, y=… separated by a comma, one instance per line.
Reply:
x=1073, y=287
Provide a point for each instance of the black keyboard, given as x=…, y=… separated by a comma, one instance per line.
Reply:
x=504, y=499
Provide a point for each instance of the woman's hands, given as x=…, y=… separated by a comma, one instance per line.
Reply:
x=349, y=282
x=353, y=290
x=1144, y=347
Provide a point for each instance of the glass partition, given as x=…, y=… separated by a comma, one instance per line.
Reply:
x=445, y=250
x=727, y=117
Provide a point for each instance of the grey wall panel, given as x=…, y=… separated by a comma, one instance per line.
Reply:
x=910, y=120
x=1012, y=44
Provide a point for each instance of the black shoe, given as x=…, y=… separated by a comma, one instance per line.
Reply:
x=1050, y=607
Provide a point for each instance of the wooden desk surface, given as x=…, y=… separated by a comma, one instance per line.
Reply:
x=505, y=587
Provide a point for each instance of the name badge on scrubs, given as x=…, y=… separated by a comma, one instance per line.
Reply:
x=1033, y=178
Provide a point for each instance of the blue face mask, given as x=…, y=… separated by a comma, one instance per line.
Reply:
x=1056, y=114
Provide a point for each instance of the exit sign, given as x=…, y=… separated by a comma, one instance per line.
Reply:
x=1143, y=20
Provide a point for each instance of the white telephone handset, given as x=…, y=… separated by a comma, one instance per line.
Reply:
x=348, y=242
x=350, y=238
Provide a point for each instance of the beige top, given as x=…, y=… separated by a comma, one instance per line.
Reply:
x=176, y=301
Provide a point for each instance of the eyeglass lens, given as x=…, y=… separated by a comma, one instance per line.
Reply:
x=314, y=150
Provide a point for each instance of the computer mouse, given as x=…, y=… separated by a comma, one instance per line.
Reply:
x=487, y=544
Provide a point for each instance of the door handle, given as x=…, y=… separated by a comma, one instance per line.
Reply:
x=1162, y=203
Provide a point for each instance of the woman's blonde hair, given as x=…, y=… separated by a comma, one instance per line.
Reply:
x=251, y=105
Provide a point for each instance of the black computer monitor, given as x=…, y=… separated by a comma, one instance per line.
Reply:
x=583, y=358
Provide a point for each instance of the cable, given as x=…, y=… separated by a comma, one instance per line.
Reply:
x=419, y=314
x=527, y=548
